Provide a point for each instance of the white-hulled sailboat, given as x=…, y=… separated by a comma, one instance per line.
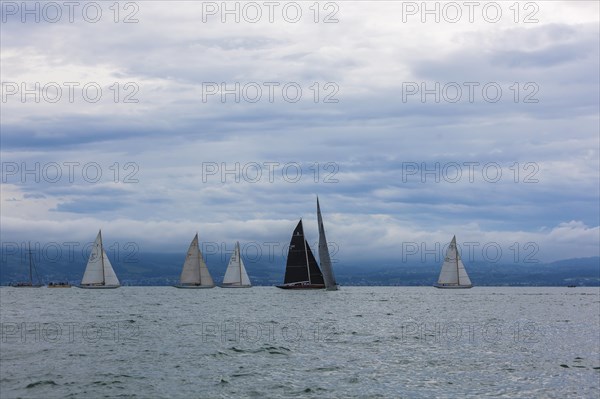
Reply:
x=235, y=275
x=453, y=274
x=324, y=258
x=195, y=274
x=99, y=273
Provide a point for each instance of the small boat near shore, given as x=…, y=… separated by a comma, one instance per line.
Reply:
x=61, y=284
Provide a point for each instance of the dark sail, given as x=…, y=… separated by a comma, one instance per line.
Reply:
x=301, y=261
x=295, y=268
x=316, y=277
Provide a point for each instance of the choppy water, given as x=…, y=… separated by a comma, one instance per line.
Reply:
x=154, y=342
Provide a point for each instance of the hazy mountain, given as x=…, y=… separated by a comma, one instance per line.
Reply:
x=164, y=269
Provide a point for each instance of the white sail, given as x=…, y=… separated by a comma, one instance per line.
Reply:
x=194, y=270
x=235, y=275
x=99, y=270
x=110, y=278
x=191, y=271
x=453, y=273
x=205, y=277
x=324, y=258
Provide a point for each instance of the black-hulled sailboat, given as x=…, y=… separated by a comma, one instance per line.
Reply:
x=301, y=270
x=29, y=284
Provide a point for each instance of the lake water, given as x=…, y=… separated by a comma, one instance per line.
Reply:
x=413, y=342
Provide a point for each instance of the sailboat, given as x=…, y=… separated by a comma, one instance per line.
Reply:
x=453, y=274
x=60, y=284
x=195, y=274
x=324, y=258
x=29, y=284
x=235, y=275
x=99, y=273
x=301, y=270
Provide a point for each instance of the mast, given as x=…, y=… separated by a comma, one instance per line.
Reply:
x=199, y=265
x=30, y=264
x=239, y=259
x=102, y=258
x=456, y=260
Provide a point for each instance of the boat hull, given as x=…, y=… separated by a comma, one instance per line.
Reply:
x=194, y=287
x=27, y=286
x=235, y=286
x=452, y=287
x=301, y=286
x=98, y=287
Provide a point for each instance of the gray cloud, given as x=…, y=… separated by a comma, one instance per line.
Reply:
x=372, y=135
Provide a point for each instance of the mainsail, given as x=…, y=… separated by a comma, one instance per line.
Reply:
x=235, y=275
x=195, y=273
x=324, y=258
x=453, y=274
x=302, y=270
x=99, y=272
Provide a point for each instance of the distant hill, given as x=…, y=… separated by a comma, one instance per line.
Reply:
x=164, y=269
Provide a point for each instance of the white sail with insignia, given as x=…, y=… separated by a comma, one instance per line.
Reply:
x=236, y=275
x=99, y=272
x=453, y=273
x=195, y=274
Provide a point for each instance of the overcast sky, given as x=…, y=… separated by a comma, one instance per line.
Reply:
x=483, y=124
